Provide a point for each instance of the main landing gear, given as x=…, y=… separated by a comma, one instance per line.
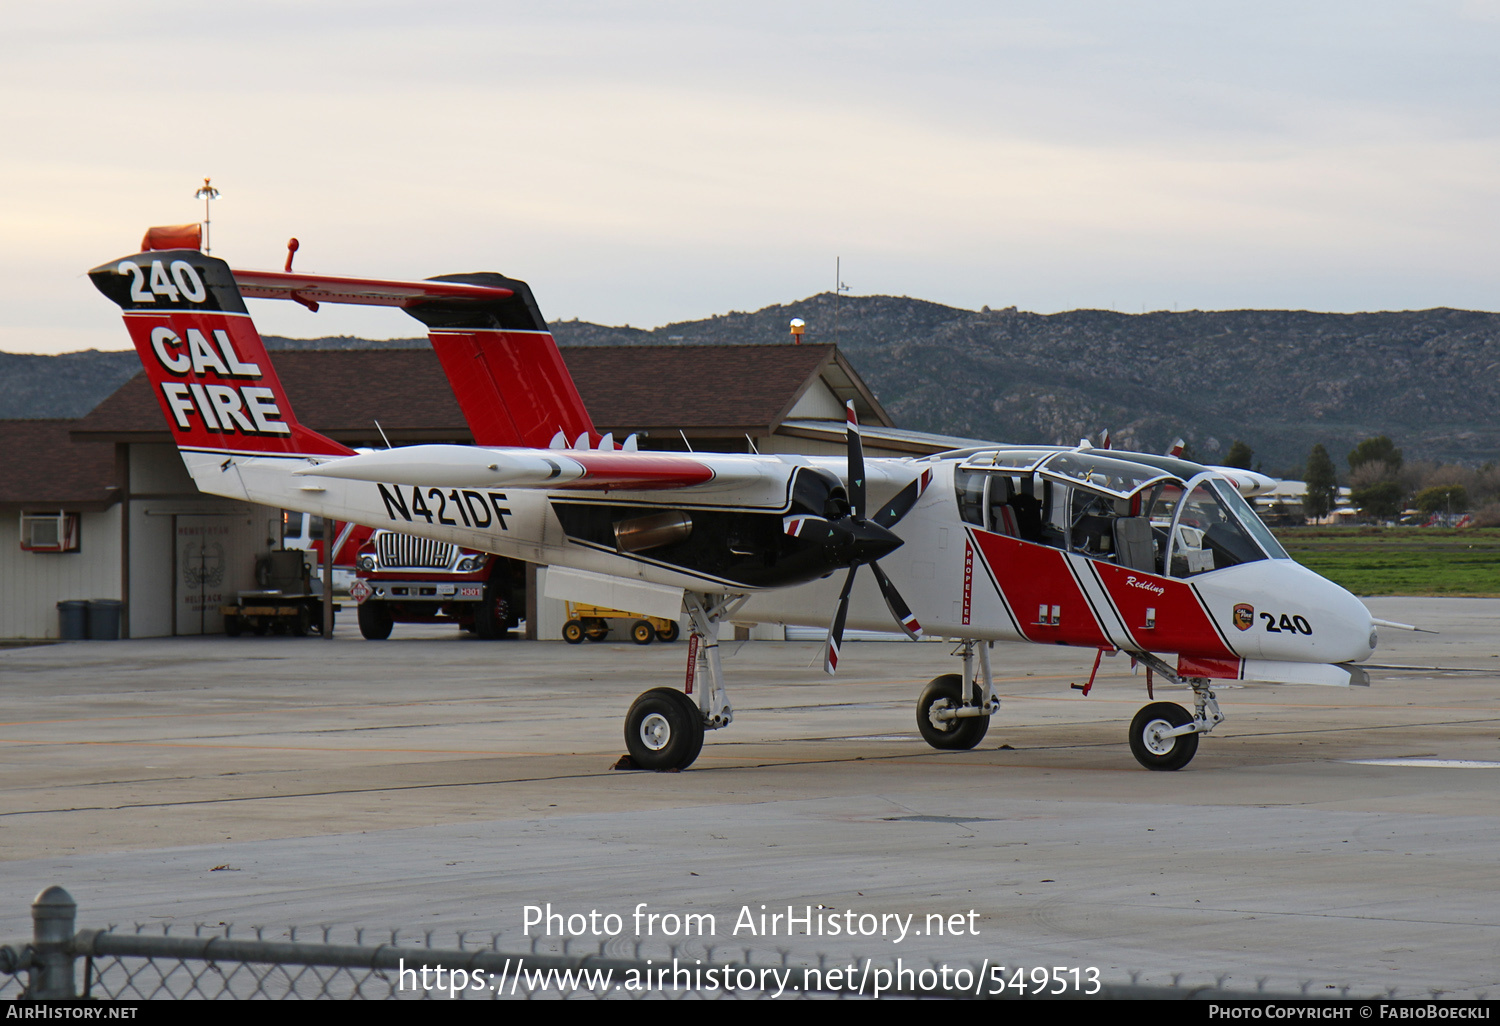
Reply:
x=664, y=728
x=954, y=710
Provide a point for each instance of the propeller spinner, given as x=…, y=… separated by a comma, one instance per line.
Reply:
x=868, y=540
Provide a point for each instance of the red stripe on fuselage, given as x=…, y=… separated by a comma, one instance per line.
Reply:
x=1218, y=669
x=1181, y=623
x=1031, y=576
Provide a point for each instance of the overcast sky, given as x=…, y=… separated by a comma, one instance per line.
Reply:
x=644, y=163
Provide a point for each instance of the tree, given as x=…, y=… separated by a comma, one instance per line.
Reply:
x=1240, y=455
x=1442, y=499
x=1379, y=449
x=1382, y=499
x=1322, y=484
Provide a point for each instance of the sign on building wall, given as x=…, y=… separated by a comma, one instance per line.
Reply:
x=214, y=560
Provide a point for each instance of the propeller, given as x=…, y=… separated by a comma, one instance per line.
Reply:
x=866, y=540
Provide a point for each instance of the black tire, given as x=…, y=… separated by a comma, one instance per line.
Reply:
x=375, y=621
x=491, y=616
x=942, y=692
x=1171, y=754
x=664, y=730
x=596, y=628
x=259, y=629
x=668, y=635
x=642, y=633
x=233, y=626
x=573, y=632
x=303, y=622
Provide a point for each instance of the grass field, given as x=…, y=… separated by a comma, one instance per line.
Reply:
x=1400, y=560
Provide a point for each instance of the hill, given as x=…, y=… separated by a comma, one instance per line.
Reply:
x=1279, y=380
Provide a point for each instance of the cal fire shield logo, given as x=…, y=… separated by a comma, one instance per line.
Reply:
x=1244, y=616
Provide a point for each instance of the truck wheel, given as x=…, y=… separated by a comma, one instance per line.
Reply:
x=233, y=626
x=573, y=632
x=596, y=628
x=669, y=634
x=490, y=615
x=303, y=622
x=642, y=632
x=375, y=621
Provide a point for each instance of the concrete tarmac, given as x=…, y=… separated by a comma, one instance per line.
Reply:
x=437, y=782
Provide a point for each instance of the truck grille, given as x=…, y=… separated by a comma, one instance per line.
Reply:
x=400, y=551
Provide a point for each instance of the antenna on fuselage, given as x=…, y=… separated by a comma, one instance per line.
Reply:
x=384, y=439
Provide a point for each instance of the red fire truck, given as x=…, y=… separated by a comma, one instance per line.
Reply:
x=403, y=579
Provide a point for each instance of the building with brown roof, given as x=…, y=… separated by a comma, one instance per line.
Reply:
x=61, y=501
x=171, y=553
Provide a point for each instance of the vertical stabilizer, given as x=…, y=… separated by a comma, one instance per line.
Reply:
x=504, y=366
x=206, y=362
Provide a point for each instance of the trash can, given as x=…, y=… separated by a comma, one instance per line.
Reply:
x=73, y=620
x=104, y=619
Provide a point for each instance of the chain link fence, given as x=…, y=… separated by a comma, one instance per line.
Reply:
x=62, y=962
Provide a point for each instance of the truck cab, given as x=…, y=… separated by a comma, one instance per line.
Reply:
x=400, y=578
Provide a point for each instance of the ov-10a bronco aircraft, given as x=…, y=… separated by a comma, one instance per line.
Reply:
x=1149, y=555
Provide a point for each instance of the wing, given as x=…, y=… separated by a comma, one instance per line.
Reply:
x=467, y=466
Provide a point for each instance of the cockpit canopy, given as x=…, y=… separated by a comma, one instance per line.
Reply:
x=1157, y=515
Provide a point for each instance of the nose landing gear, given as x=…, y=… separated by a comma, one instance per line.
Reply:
x=1164, y=735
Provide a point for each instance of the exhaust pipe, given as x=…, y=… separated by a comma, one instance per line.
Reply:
x=652, y=532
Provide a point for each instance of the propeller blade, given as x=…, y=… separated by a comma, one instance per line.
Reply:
x=836, y=629
x=905, y=499
x=856, y=462
x=897, y=605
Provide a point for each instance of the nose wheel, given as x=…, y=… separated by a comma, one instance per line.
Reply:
x=1153, y=742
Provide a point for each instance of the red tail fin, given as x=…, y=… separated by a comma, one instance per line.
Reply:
x=204, y=358
x=504, y=366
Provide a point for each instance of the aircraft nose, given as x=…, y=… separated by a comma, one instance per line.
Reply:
x=1351, y=629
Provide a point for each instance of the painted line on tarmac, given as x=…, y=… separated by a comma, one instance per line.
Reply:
x=1427, y=763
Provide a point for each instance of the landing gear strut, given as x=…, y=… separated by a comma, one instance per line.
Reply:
x=664, y=728
x=1164, y=735
x=954, y=710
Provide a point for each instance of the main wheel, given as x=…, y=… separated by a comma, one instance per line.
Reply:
x=642, y=632
x=573, y=632
x=947, y=692
x=664, y=730
x=1152, y=750
x=670, y=634
x=375, y=621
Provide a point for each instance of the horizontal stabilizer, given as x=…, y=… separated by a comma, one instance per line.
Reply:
x=324, y=288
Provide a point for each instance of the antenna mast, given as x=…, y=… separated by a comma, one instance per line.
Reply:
x=207, y=194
